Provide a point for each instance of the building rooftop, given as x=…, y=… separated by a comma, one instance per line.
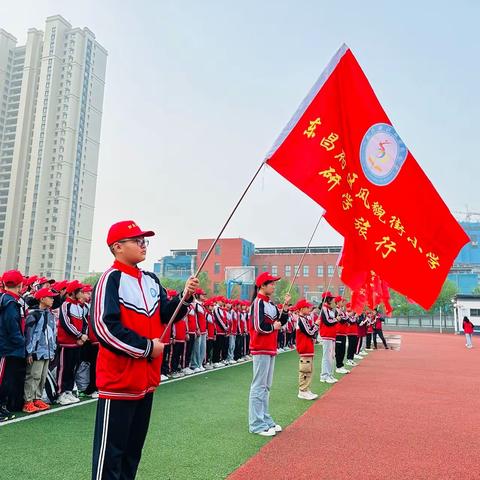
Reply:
x=295, y=250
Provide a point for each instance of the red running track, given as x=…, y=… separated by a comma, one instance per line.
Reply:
x=408, y=414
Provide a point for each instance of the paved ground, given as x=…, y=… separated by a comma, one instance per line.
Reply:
x=407, y=414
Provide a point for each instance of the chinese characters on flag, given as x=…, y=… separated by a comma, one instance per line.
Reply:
x=341, y=149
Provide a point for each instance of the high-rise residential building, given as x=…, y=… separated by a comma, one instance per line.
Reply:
x=51, y=97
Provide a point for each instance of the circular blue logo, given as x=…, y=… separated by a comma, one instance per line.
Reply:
x=382, y=154
x=153, y=292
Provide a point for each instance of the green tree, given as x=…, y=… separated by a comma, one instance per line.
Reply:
x=444, y=299
x=402, y=307
x=172, y=284
x=476, y=290
x=282, y=288
x=92, y=279
x=205, y=282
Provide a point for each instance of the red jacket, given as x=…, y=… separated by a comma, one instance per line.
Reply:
x=72, y=323
x=200, y=312
x=220, y=320
x=128, y=309
x=263, y=337
x=306, y=333
x=210, y=326
x=342, y=326
x=468, y=327
x=179, y=331
x=328, y=324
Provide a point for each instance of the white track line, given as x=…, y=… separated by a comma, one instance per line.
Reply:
x=84, y=402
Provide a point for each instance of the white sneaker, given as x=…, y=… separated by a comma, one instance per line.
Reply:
x=363, y=353
x=267, y=433
x=187, y=371
x=64, y=399
x=277, y=428
x=232, y=362
x=331, y=380
x=72, y=397
x=94, y=395
x=208, y=366
x=306, y=396
x=313, y=395
x=217, y=365
x=358, y=357
x=351, y=363
x=163, y=378
x=369, y=349
x=197, y=370
x=202, y=368
x=176, y=375
x=342, y=370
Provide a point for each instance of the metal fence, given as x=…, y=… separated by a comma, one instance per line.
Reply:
x=420, y=322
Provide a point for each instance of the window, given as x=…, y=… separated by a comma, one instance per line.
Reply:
x=475, y=312
x=319, y=270
x=306, y=270
x=216, y=268
x=264, y=268
x=217, y=249
x=216, y=288
x=341, y=290
x=274, y=270
x=296, y=269
x=288, y=270
x=331, y=269
x=305, y=290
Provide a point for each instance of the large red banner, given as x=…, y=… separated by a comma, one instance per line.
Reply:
x=341, y=149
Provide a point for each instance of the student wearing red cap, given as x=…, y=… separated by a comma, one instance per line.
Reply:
x=341, y=337
x=89, y=351
x=178, y=348
x=72, y=335
x=265, y=322
x=328, y=332
x=352, y=332
x=129, y=312
x=220, y=348
x=307, y=331
x=200, y=345
x=41, y=344
x=166, y=370
x=12, y=346
x=378, y=319
x=208, y=304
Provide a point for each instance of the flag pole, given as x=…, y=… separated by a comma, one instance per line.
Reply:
x=302, y=259
x=331, y=278
x=212, y=246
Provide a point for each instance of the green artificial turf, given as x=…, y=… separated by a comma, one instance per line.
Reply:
x=198, y=428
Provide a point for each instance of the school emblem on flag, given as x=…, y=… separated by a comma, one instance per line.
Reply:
x=382, y=154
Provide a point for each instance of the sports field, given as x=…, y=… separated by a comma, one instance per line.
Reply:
x=198, y=428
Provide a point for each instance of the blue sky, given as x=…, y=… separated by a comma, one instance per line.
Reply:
x=197, y=91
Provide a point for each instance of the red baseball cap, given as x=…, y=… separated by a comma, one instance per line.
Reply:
x=264, y=278
x=41, y=280
x=60, y=285
x=303, y=303
x=339, y=298
x=87, y=289
x=199, y=291
x=44, y=292
x=74, y=285
x=29, y=280
x=12, y=278
x=126, y=229
x=327, y=294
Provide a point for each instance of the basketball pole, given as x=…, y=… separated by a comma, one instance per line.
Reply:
x=212, y=246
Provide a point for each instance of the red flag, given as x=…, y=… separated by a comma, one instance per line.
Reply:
x=341, y=149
